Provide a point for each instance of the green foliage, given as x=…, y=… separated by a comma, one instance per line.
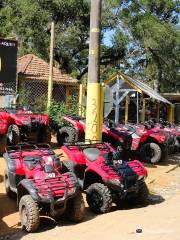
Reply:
x=59, y=109
x=144, y=34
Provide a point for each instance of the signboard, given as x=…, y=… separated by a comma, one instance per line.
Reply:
x=8, y=66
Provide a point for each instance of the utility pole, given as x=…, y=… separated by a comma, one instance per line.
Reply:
x=94, y=108
x=50, y=82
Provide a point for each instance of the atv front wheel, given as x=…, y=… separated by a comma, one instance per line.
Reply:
x=13, y=135
x=66, y=135
x=29, y=213
x=143, y=193
x=3, y=143
x=75, y=209
x=99, y=198
x=151, y=152
x=141, y=196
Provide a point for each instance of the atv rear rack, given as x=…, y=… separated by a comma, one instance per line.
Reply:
x=29, y=147
x=91, y=144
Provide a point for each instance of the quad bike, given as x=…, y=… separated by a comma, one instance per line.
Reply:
x=105, y=177
x=174, y=134
x=35, y=174
x=25, y=125
x=148, y=145
x=75, y=132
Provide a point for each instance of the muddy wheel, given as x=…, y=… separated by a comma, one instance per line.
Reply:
x=3, y=143
x=13, y=135
x=75, y=209
x=29, y=213
x=151, y=152
x=99, y=198
x=8, y=190
x=66, y=135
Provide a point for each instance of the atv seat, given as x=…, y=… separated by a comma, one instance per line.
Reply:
x=92, y=153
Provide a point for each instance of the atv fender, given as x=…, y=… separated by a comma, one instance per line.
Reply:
x=26, y=187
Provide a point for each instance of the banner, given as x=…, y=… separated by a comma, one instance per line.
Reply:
x=8, y=66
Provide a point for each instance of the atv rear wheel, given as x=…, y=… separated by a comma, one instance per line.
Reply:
x=66, y=135
x=3, y=143
x=151, y=152
x=8, y=190
x=99, y=198
x=75, y=209
x=13, y=135
x=29, y=213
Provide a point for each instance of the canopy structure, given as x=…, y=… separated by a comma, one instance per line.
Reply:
x=124, y=86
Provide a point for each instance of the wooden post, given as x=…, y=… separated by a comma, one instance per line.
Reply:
x=126, y=109
x=143, y=110
x=50, y=82
x=171, y=113
x=158, y=111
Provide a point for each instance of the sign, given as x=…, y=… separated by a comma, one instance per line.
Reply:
x=8, y=66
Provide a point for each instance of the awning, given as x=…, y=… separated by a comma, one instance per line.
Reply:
x=139, y=86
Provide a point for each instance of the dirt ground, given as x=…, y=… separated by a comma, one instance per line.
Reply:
x=158, y=220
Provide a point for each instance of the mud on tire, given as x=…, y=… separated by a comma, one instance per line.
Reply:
x=151, y=152
x=99, y=198
x=66, y=135
x=75, y=209
x=29, y=213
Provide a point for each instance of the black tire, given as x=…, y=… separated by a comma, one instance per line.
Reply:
x=66, y=135
x=143, y=193
x=151, y=152
x=99, y=198
x=141, y=197
x=75, y=209
x=8, y=190
x=13, y=135
x=29, y=213
x=3, y=143
x=44, y=135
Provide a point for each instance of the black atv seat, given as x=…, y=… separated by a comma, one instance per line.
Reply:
x=92, y=153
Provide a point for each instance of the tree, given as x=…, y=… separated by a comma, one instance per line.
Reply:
x=29, y=22
x=154, y=35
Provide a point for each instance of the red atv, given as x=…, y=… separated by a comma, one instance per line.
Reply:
x=25, y=125
x=148, y=143
x=105, y=177
x=35, y=174
x=75, y=131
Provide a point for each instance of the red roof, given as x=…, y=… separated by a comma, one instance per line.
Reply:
x=35, y=68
